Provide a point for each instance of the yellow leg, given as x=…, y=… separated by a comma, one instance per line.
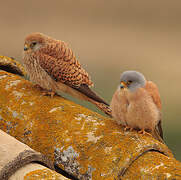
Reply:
x=44, y=91
x=128, y=128
x=49, y=93
x=38, y=86
x=142, y=131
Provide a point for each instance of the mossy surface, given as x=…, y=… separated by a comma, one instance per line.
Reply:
x=153, y=165
x=10, y=65
x=82, y=142
x=45, y=174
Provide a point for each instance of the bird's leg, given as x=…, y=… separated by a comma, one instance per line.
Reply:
x=38, y=86
x=44, y=91
x=131, y=129
x=142, y=131
x=49, y=93
x=128, y=128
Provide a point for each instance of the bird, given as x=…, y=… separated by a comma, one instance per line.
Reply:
x=136, y=104
x=53, y=67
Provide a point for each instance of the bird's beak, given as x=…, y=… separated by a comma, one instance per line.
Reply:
x=123, y=85
x=26, y=47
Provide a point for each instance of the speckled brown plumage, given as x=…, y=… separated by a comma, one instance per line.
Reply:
x=58, y=60
x=52, y=64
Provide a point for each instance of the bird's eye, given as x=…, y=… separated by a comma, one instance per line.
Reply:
x=129, y=82
x=33, y=44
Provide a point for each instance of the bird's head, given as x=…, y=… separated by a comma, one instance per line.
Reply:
x=132, y=80
x=34, y=42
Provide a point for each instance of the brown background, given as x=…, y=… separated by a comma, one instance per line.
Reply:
x=109, y=37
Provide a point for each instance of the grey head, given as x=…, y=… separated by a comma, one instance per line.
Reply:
x=132, y=80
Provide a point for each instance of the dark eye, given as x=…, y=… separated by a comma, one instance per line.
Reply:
x=33, y=44
x=129, y=82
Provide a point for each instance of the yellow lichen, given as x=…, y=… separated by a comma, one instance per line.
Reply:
x=154, y=165
x=80, y=141
x=43, y=174
x=11, y=65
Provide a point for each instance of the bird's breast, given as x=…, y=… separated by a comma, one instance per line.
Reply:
x=37, y=74
x=142, y=111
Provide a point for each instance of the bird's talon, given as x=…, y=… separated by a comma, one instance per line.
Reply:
x=148, y=133
x=38, y=86
x=144, y=132
x=141, y=131
x=131, y=129
x=128, y=128
x=49, y=93
x=52, y=94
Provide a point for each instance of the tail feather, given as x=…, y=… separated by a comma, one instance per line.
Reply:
x=160, y=131
x=84, y=88
x=157, y=136
x=85, y=93
x=103, y=107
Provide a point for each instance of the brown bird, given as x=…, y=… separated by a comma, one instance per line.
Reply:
x=136, y=104
x=52, y=65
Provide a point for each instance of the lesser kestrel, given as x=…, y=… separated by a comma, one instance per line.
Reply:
x=136, y=104
x=52, y=65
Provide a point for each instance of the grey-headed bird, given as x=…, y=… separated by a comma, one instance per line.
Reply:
x=136, y=104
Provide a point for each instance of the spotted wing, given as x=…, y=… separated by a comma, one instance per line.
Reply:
x=60, y=63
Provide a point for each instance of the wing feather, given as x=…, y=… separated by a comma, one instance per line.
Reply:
x=154, y=93
x=60, y=63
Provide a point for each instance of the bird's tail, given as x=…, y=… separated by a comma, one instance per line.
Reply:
x=85, y=93
x=103, y=107
x=157, y=136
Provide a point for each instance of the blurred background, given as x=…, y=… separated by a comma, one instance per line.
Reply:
x=109, y=37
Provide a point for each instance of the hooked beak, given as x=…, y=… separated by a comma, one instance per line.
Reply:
x=123, y=85
x=26, y=47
